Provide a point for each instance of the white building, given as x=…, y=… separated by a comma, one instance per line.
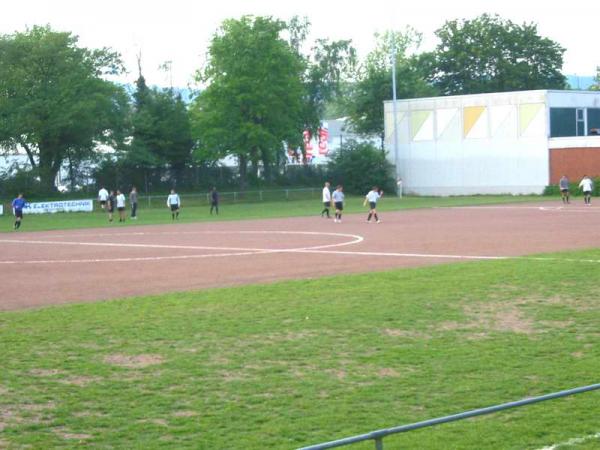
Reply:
x=512, y=142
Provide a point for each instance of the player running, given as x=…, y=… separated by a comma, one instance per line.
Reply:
x=372, y=197
x=563, y=185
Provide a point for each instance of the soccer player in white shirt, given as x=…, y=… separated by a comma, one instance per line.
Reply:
x=121, y=206
x=103, y=197
x=326, y=200
x=586, y=184
x=372, y=197
x=174, y=203
x=338, y=201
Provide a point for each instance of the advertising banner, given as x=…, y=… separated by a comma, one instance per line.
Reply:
x=60, y=206
x=315, y=146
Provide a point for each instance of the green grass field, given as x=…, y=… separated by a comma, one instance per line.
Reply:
x=290, y=364
x=159, y=214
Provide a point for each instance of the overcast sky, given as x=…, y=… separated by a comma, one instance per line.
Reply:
x=179, y=31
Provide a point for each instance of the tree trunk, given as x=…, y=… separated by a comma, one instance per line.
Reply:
x=177, y=174
x=29, y=154
x=48, y=168
x=146, y=186
x=71, y=174
x=243, y=169
x=267, y=166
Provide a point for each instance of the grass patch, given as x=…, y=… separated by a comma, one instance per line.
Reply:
x=243, y=211
x=290, y=364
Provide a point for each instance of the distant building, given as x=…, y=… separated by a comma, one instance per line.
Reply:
x=511, y=142
x=332, y=135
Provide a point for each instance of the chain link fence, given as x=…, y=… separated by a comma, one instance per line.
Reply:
x=230, y=197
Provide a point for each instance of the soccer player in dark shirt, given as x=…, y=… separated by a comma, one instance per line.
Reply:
x=18, y=204
x=214, y=201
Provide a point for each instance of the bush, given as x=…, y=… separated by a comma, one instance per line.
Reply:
x=24, y=181
x=359, y=167
x=302, y=175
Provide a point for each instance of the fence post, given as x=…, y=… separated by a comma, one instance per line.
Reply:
x=287, y=194
x=378, y=443
x=149, y=201
x=260, y=195
x=234, y=196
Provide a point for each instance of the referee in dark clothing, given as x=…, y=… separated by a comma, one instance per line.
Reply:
x=214, y=201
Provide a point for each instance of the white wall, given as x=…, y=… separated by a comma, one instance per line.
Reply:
x=474, y=144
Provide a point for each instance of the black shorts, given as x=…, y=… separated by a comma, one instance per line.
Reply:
x=372, y=205
x=19, y=213
x=213, y=203
x=111, y=208
x=327, y=204
x=122, y=208
x=564, y=191
x=339, y=206
x=174, y=208
x=587, y=192
x=103, y=202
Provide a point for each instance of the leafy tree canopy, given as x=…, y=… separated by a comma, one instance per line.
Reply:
x=490, y=54
x=54, y=101
x=374, y=81
x=253, y=101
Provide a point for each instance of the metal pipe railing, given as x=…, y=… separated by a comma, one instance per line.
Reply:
x=378, y=435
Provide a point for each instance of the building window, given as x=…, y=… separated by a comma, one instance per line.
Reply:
x=593, y=120
x=563, y=122
x=580, y=122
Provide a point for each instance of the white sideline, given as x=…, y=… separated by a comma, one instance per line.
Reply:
x=243, y=251
x=573, y=441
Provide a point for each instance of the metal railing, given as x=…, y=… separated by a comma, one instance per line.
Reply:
x=378, y=435
x=254, y=196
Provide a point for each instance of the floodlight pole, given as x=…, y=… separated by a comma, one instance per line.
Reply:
x=394, y=107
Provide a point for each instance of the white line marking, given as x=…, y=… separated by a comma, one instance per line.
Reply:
x=112, y=244
x=442, y=256
x=244, y=251
x=574, y=441
x=318, y=249
x=536, y=208
x=405, y=255
x=145, y=258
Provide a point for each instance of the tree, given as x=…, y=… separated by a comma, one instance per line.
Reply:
x=374, y=84
x=327, y=69
x=161, y=130
x=54, y=103
x=596, y=85
x=253, y=101
x=489, y=54
x=359, y=167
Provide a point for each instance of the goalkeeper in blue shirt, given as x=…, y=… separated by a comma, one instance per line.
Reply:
x=18, y=204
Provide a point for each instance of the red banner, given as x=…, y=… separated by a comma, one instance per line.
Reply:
x=323, y=136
